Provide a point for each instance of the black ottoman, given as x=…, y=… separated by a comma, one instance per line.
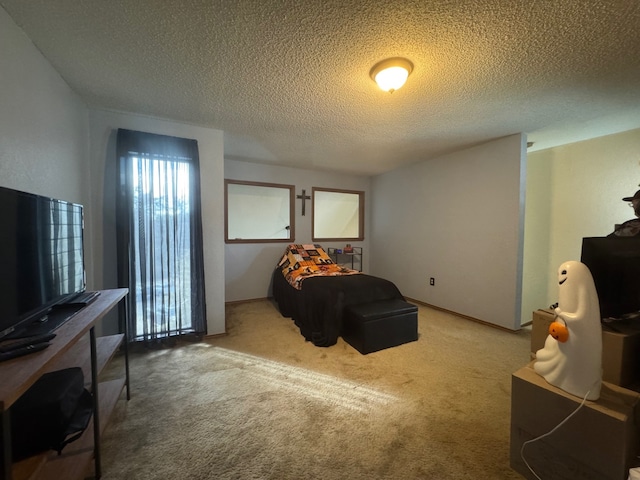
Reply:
x=370, y=327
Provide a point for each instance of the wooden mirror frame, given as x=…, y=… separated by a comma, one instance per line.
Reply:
x=318, y=211
x=259, y=212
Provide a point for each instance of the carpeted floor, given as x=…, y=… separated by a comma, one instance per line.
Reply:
x=261, y=403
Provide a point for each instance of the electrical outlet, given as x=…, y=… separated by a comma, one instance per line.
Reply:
x=432, y=281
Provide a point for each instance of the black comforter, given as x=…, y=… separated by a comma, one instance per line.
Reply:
x=318, y=307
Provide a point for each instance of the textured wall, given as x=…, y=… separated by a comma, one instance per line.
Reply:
x=43, y=124
x=43, y=128
x=457, y=219
x=574, y=191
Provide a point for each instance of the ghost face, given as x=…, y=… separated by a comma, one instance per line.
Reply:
x=571, y=277
x=563, y=274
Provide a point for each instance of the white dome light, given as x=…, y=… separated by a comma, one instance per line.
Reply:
x=392, y=73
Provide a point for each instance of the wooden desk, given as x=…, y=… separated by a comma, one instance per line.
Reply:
x=75, y=344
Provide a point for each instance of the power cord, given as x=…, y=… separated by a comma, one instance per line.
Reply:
x=549, y=433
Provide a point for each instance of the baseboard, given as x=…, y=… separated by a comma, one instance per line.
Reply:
x=409, y=299
x=216, y=335
x=466, y=317
x=249, y=300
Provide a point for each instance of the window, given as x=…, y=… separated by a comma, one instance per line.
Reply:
x=258, y=212
x=337, y=214
x=160, y=235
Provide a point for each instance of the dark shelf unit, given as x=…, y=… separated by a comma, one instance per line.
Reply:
x=352, y=260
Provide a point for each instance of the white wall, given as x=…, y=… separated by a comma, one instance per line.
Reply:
x=574, y=191
x=43, y=124
x=44, y=134
x=104, y=125
x=249, y=266
x=458, y=218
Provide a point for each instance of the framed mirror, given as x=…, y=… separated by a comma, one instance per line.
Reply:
x=337, y=214
x=258, y=212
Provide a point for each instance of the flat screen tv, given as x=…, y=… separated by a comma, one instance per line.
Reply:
x=614, y=263
x=41, y=257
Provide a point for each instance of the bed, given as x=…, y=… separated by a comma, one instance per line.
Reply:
x=312, y=290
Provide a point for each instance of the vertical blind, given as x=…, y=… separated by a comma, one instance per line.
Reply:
x=159, y=225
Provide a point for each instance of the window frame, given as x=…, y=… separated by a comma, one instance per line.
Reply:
x=320, y=236
x=288, y=194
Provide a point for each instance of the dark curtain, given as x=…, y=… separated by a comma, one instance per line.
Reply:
x=159, y=236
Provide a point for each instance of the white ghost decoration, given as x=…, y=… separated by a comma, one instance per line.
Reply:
x=575, y=365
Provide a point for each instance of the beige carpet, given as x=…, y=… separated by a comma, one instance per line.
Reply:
x=261, y=403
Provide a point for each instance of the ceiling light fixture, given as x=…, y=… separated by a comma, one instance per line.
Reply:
x=390, y=74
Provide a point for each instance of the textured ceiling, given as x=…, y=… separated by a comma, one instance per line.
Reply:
x=288, y=81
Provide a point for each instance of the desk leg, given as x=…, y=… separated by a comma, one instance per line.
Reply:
x=126, y=345
x=5, y=452
x=96, y=403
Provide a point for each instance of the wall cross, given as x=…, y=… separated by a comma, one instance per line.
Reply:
x=303, y=197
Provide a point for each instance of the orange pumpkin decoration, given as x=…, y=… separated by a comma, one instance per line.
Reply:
x=559, y=331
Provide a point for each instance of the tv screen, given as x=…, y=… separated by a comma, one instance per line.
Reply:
x=41, y=256
x=614, y=263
